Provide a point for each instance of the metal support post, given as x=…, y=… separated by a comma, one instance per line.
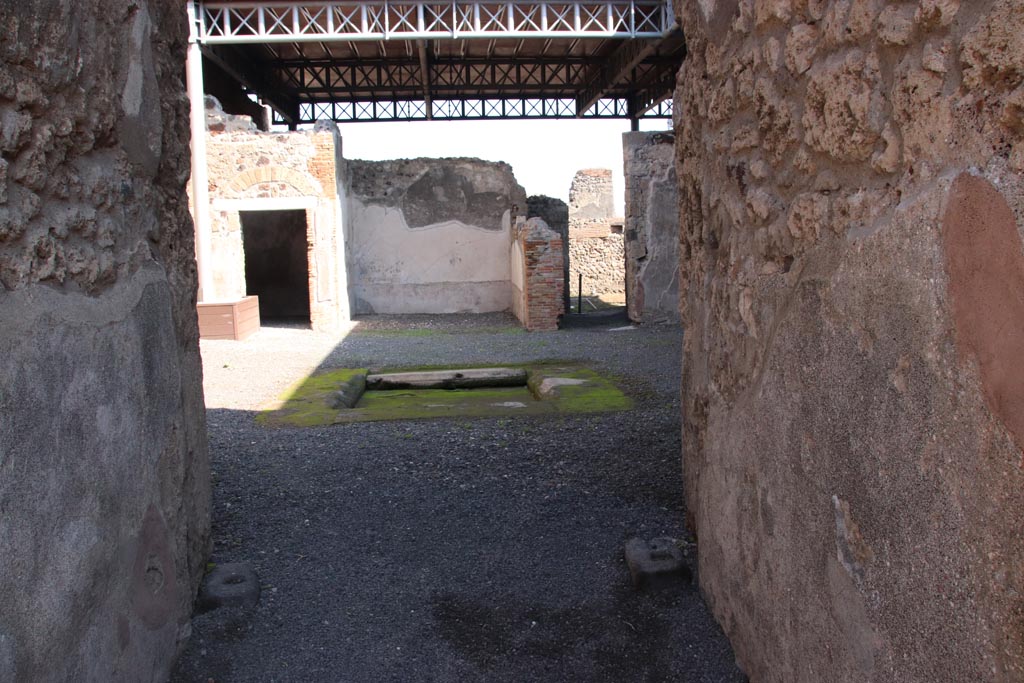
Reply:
x=200, y=183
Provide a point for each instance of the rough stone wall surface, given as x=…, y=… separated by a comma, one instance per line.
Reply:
x=602, y=261
x=590, y=195
x=104, y=479
x=537, y=277
x=851, y=205
x=256, y=171
x=431, y=235
x=651, y=230
x=594, y=250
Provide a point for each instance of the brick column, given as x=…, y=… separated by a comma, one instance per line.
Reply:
x=543, y=284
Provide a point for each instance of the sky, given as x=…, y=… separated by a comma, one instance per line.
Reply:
x=544, y=154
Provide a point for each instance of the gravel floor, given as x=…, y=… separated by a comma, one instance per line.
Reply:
x=456, y=549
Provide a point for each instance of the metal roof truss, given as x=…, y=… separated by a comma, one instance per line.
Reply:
x=379, y=60
x=268, y=22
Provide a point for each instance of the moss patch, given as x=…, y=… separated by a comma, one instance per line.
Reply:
x=309, y=403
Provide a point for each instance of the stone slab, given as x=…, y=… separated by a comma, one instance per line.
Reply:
x=449, y=379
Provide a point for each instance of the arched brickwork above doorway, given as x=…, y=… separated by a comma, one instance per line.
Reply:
x=273, y=182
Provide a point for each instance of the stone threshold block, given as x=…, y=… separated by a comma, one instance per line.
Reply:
x=450, y=379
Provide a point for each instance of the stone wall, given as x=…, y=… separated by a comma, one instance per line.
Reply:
x=595, y=251
x=104, y=479
x=651, y=229
x=851, y=194
x=254, y=171
x=601, y=260
x=537, y=276
x=431, y=235
x=590, y=195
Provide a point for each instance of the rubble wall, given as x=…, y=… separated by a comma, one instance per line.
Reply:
x=651, y=227
x=104, y=477
x=253, y=171
x=595, y=251
x=601, y=260
x=590, y=195
x=851, y=205
x=431, y=235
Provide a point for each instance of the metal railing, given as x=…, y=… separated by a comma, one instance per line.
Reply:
x=307, y=21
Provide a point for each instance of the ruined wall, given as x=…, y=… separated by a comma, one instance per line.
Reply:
x=594, y=249
x=104, y=479
x=651, y=229
x=431, y=235
x=852, y=200
x=590, y=195
x=601, y=260
x=537, y=275
x=253, y=171
x=555, y=213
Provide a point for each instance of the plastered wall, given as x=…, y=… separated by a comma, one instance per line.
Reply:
x=431, y=235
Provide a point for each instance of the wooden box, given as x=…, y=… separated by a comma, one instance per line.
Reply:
x=229, y=319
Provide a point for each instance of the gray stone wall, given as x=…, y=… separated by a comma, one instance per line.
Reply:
x=431, y=235
x=651, y=227
x=104, y=481
x=851, y=194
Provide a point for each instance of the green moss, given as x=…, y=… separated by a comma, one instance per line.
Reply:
x=309, y=402
x=424, y=332
x=425, y=403
x=596, y=394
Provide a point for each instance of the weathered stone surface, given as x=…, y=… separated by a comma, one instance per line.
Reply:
x=601, y=261
x=590, y=195
x=547, y=388
x=233, y=585
x=104, y=482
x=656, y=564
x=651, y=229
x=852, y=449
x=351, y=390
x=801, y=46
x=594, y=250
x=449, y=379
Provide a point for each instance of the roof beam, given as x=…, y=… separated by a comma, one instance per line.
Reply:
x=615, y=70
x=238, y=67
x=425, y=76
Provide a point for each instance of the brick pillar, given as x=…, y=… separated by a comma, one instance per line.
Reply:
x=543, y=284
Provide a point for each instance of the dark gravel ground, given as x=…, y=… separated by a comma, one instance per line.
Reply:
x=456, y=549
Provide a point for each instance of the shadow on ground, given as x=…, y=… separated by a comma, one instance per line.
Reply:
x=459, y=549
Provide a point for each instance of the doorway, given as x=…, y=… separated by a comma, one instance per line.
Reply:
x=276, y=252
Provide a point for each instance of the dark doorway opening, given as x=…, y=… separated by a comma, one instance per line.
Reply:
x=277, y=263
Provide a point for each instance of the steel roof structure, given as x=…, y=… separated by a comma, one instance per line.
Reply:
x=373, y=60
